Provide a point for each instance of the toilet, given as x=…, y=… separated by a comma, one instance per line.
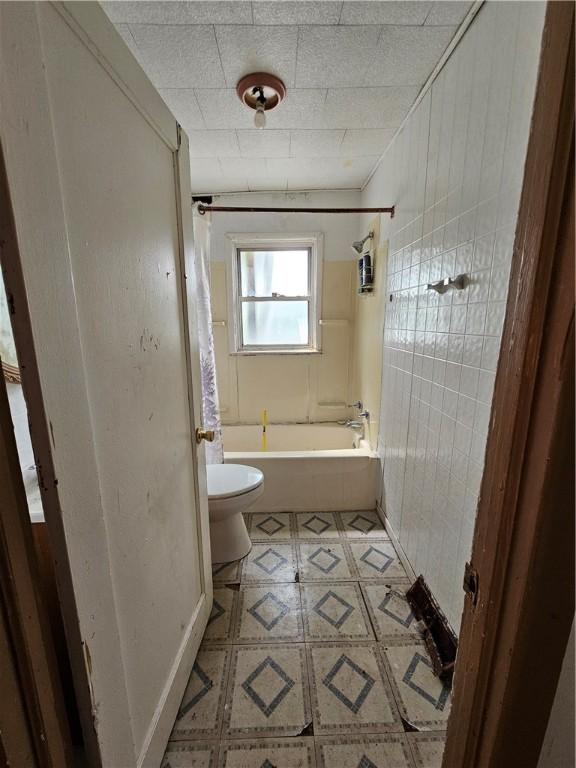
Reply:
x=232, y=488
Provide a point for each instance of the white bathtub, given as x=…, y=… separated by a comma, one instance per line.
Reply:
x=307, y=467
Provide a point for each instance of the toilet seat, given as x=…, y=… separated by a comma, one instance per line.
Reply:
x=226, y=481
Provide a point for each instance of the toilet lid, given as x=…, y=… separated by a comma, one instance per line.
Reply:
x=226, y=480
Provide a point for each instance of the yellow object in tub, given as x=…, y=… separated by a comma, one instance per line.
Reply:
x=264, y=425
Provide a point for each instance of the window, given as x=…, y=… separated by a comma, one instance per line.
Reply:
x=275, y=289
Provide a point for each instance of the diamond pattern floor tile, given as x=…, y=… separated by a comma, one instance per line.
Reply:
x=200, y=713
x=268, y=692
x=422, y=698
x=317, y=525
x=334, y=612
x=311, y=657
x=268, y=753
x=362, y=525
x=389, y=610
x=270, y=562
x=350, y=691
x=427, y=749
x=184, y=755
x=268, y=614
x=324, y=561
x=377, y=559
x=364, y=752
x=264, y=526
x=227, y=573
x=219, y=627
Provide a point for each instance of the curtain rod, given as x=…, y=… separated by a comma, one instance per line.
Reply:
x=202, y=208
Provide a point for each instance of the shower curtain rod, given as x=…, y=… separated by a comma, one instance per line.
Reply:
x=202, y=208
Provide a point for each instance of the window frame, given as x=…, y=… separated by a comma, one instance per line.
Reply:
x=313, y=243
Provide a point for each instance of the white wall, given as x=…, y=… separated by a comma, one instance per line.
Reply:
x=339, y=230
x=293, y=388
x=454, y=172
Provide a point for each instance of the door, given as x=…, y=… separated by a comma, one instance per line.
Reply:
x=100, y=277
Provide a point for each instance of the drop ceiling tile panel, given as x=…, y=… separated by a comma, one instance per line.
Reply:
x=237, y=172
x=211, y=143
x=296, y=12
x=407, y=55
x=269, y=174
x=368, y=107
x=184, y=106
x=335, y=56
x=371, y=141
x=447, y=13
x=197, y=12
x=326, y=173
x=253, y=175
x=179, y=56
x=265, y=143
x=124, y=31
x=221, y=108
x=387, y=12
x=317, y=143
x=245, y=49
x=302, y=108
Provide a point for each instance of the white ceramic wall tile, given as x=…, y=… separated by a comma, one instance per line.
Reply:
x=454, y=172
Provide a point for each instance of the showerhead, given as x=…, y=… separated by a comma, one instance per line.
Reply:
x=358, y=245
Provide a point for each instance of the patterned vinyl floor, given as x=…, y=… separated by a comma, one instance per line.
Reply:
x=311, y=657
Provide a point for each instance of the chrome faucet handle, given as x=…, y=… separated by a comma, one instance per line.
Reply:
x=364, y=415
x=355, y=405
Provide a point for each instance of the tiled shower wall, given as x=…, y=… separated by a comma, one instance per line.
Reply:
x=455, y=174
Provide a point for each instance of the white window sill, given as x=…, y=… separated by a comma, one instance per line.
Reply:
x=254, y=352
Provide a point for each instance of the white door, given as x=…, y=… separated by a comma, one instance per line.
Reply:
x=99, y=179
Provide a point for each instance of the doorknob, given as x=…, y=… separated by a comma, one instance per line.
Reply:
x=204, y=434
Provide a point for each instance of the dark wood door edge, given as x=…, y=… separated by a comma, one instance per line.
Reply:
x=40, y=437
x=518, y=521
x=26, y=616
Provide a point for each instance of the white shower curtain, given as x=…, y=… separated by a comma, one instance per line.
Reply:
x=210, y=409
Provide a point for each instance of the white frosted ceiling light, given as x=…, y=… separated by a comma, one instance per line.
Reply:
x=261, y=92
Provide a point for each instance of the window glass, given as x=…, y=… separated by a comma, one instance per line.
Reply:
x=278, y=272
x=274, y=323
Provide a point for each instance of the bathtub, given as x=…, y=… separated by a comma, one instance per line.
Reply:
x=307, y=467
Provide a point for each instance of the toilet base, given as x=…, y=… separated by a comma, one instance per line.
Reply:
x=229, y=539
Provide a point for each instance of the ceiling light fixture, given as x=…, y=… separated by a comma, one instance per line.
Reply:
x=261, y=92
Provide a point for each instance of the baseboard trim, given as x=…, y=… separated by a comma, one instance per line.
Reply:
x=167, y=709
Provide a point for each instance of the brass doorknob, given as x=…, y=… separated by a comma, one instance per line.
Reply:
x=204, y=434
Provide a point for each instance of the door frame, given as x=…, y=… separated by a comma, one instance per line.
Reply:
x=516, y=626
